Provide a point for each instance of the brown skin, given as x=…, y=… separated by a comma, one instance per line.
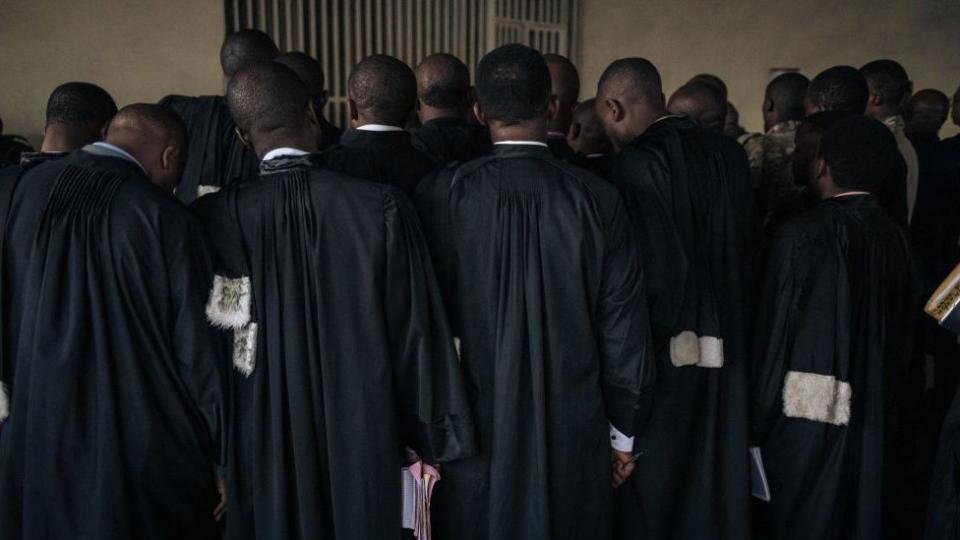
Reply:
x=429, y=71
x=926, y=111
x=807, y=142
x=535, y=129
x=955, y=114
x=154, y=148
x=586, y=134
x=564, y=82
x=697, y=110
x=303, y=137
x=882, y=107
x=63, y=138
x=810, y=107
x=626, y=114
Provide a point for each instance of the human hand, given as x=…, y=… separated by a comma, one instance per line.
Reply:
x=623, y=467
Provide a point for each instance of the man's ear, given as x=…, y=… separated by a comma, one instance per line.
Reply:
x=875, y=98
x=353, y=111
x=615, y=108
x=478, y=112
x=553, y=107
x=768, y=105
x=324, y=98
x=169, y=158
x=820, y=169
x=575, y=130
x=243, y=138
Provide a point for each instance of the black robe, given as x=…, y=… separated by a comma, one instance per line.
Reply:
x=833, y=348
x=943, y=509
x=560, y=148
x=329, y=134
x=215, y=157
x=344, y=353
x=112, y=370
x=691, y=211
x=449, y=140
x=546, y=287
x=386, y=157
x=599, y=164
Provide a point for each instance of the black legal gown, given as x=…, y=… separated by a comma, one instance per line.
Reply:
x=329, y=134
x=451, y=139
x=350, y=359
x=833, y=347
x=691, y=205
x=546, y=288
x=386, y=157
x=560, y=147
x=943, y=509
x=215, y=158
x=112, y=370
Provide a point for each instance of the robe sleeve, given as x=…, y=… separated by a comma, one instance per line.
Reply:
x=431, y=201
x=199, y=348
x=434, y=416
x=775, y=329
x=627, y=357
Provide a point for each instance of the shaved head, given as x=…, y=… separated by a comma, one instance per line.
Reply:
x=443, y=84
x=783, y=99
x=889, y=87
x=629, y=99
x=311, y=74
x=565, y=84
x=712, y=80
x=243, y=47
x=702, y=103
x=383, y=90
x=156, y=137
x=586, y=131
x=927, y=111
x=840, y=88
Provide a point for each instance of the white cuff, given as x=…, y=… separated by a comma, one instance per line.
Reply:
x=619, y=441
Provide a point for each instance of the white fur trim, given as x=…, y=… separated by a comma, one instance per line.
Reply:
x=711, y=352
x=684, y=349
x=821, y=398
x=206, y=190
x=245, y=349
x=229, y=305
x=4, y=403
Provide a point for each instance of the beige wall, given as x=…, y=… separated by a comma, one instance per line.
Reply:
x=139, y=50
x=740, y=40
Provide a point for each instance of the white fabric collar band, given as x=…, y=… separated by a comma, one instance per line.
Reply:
x=283, y=151
x=556, y=135
x=522, y=143
x=594, y=155
x=378, y=127
x=850, y=194
x=120, y=153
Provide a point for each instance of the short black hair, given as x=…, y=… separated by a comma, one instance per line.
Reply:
x=243, y=47
x=787, y=91
x=265, y=97
x=712, y=80
x=568, y=80
x=158, y=117
x=861, y=153
x=449, y=85
x=840, y=88
x=307, y=68
x=638, y=74
x=384, y=87
x=889, y=78
x=513, y=84
x=80, y=104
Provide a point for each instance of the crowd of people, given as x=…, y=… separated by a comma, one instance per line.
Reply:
x=619, y=316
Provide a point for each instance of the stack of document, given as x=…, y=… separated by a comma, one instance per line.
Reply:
x=417, y=482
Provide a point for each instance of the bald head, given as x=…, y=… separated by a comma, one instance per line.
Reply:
x=382, y=90
x=156, y=137
x=565, y=84
x=926, y=111
x=586, y=135
x=243, y=47
x=77, y=114
x=311, y=74
x=702, y=103
x=271, y=108
x=443, y=87
x=783, y=99
x=889, y=88
x=711, y=80
x=840, y=88
x=629, y=99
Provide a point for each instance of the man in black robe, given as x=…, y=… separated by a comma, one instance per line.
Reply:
x=382, y=92
x=342, y=350
x=954, y=142
x=588, y=141
x=691, y=218
x=12, y=147
x=114, y=376
x=833, y=348
x=443, y=106
x=546, y=290
x=311, y=73
x=77, y=115
x=702, y=104
x=216, y=157
x=565, y=85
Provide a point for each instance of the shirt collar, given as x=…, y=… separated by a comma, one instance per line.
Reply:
x=283, y=151
x=594, y=156
x=556, y=135
x=378, y=127
x=522, y=143
x=119, y=152
x=850, y=194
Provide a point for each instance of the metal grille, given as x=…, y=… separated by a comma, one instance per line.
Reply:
x=340, y=33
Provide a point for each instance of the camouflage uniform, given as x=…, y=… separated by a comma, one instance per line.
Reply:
x=776, y=186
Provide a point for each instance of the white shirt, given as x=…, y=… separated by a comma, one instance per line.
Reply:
x=119, y=152
x=283, y=151
x=378, y=127
x=523, y=143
